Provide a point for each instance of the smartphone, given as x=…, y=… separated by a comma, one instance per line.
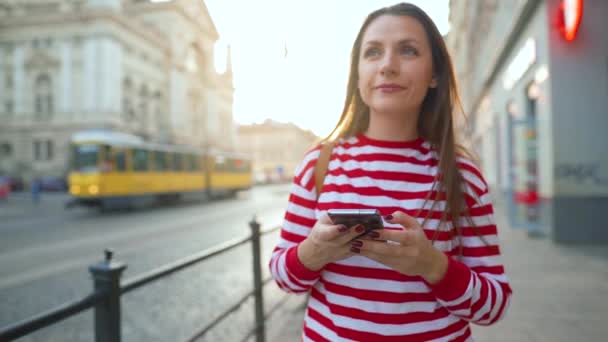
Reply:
x=369, y=218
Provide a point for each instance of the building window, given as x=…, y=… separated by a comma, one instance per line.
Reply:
x=127, y=105
x=49, y=150
x=43, y=96
x=143, y=104
x=43, y=150
x=37, y=150
x=6, y=149
x=9, y=107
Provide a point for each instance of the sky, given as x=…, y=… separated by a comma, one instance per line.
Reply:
x=290, y=58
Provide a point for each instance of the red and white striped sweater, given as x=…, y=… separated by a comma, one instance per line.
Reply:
x=358, y=299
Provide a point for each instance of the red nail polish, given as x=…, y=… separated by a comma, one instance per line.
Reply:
x=342, y=228
x=355, y=250
x=359, y=229
x=373, y=235
x=357, y=243
x=388, y=217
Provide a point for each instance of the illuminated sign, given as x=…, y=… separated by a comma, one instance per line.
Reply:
x=571, y=13
x=525, y=57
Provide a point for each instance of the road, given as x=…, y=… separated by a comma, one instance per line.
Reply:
x=45, y=252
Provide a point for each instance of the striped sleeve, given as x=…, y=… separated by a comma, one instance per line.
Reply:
x=475, y=287
x=286, y=269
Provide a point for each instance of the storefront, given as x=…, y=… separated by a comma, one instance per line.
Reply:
x=545, y=145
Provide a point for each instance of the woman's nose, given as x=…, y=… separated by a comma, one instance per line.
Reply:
x=389, y=65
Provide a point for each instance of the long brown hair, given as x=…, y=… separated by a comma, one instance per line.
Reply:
x=436, y=118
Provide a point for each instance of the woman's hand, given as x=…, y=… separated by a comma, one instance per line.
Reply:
x=327, y=243
x=407, y=251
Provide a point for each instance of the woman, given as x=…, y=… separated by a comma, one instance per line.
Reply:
x=434, y=267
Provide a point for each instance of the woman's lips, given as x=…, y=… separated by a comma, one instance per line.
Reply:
x=389, y=88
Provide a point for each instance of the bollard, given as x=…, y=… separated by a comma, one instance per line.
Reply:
x=106, y=278
x=257, y=281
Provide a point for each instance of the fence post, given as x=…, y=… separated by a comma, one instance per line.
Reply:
x=106, y=278
x=260, y=335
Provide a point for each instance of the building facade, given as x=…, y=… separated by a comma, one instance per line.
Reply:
x=534, y=81
x=134, y=66
x=275, y=148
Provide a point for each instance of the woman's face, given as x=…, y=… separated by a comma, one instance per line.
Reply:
x=395, y=65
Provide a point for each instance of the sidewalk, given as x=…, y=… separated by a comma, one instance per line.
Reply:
x=20, y=204
x=560, y=293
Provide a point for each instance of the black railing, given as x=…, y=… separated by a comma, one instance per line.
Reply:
x=105, y=298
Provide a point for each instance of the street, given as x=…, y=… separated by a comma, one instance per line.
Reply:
x=560, y=291
x=45, y=252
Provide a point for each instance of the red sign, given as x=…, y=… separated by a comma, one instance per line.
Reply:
x=570, y=16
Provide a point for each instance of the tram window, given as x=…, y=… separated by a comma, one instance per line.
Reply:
x=140, y=160
x=220, y=164
x=191, y=162
x=120, y=159
x=241, y=164
x=107, y=161
x=84, y=158
x=160, y=161
x=177, y=161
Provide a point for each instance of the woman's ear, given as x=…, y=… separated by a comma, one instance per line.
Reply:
x=433, y=83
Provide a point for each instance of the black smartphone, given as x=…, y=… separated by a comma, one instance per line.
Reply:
x=369, y=218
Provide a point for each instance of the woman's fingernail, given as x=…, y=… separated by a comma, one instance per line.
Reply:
x=388, y=217
x=359, y=228
x=373, y=234
x=355, y=250
x=357, y=243
x=342, y=228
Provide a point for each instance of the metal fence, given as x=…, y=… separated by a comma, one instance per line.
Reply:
x=105, y=298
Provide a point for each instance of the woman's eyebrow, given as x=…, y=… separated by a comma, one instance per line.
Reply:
x=400, y=42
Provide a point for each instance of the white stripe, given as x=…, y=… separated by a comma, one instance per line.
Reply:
x=497, y=277
x=307, y=158
x=295, y=228
x=282, y=268
x=473, y=179
x=361, y=261
x=368, y=149
x=384, y=329
x=300, y=210
x=380, y=201
x=492, y=260
x=384, y=165
x=498, y=302
x=284, y=244
x=476, y=241
x=376, y=284
x=487, y=305
x=376, y=306
x=459, y=300
x=391, y=185
x=451, y=336
x=320, y=329
x=302, y=192
x=486, y=198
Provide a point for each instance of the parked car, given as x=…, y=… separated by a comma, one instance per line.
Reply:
x=53, y=184
x=5, y=187
x=15, y=183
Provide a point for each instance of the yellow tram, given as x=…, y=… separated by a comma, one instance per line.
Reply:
x=113, y=169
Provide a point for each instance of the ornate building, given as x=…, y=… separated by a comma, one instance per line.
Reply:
x=137, y=66
x=276, y=148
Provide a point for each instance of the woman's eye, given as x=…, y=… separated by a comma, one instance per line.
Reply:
x=409, y=51
x=372, y=52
